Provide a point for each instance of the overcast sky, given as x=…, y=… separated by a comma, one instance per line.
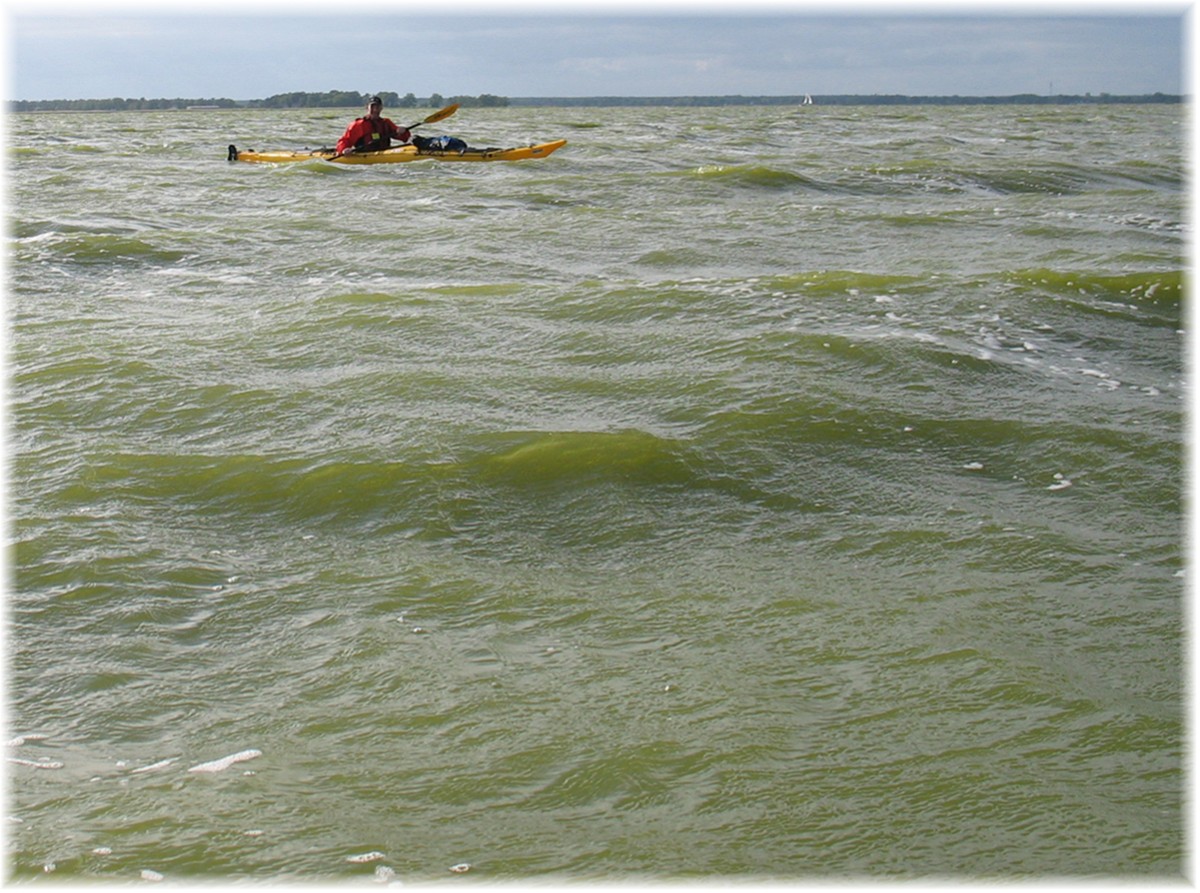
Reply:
x=98, y=50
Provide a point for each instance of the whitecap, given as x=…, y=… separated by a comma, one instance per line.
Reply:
x=361, y=858
x=384, y=874
x=37, y=764
x=161, y=764
x=1060, y=482
x=225, y=762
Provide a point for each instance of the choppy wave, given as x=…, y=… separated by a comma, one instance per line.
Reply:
x=753, y=176
x=733, y=475
x=1156, y=294
x=95, y=248
x=584, y=459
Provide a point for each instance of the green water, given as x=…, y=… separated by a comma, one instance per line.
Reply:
x=737, y=493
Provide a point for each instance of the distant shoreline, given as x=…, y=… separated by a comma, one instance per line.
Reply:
x=845, y=99
x=117, y=104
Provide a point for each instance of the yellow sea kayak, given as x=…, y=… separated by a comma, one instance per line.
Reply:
x=398, y=154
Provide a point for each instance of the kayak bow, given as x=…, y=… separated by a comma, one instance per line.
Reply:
x=397, y=155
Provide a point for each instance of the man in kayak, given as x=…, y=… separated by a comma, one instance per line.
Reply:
x=371, y=131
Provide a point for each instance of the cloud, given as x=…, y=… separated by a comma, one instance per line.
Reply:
x=581, y=54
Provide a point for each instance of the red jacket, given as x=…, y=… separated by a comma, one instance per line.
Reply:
x=364, y=133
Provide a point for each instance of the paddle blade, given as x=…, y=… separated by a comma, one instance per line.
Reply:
x=442, y=113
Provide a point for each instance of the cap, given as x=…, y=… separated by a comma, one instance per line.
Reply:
x=375, y=99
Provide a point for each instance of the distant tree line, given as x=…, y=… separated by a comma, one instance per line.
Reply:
x=298, y=100
x=115, y=104
x=349, y=99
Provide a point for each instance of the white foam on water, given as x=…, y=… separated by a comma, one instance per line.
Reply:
x=225, y=762
x=1106, y=380
x=384, y=874
x=373, y=856
x=153, y=767
x=36, y=764
x=1060, y=482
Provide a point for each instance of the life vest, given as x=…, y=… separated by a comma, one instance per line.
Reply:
x=378, y=134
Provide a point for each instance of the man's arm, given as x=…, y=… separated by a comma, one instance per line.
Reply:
x=400, y=133
x=350, y=137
